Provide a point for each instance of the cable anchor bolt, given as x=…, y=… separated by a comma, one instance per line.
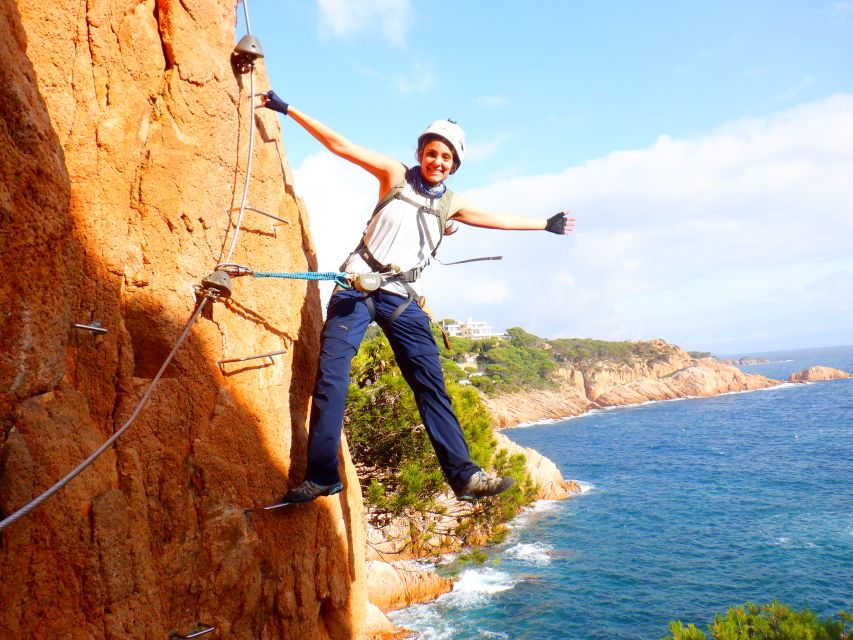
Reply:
x=246, y=52
x=218, y=284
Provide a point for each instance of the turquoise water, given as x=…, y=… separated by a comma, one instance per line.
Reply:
x=690, y=507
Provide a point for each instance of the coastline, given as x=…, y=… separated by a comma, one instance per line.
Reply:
x=701, y=379
x=403, y=582
x=589, y=412
x=394, y=591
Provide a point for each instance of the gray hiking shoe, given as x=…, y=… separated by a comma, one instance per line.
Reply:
x=308, y=491
x=482, y=485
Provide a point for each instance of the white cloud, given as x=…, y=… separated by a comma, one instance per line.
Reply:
x=490, y=102
x=486, y=149
x=419, y=80
x=344, y=18
x=794, y=92
x=745, y=232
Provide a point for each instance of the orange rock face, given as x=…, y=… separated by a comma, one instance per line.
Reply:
x=550, y=484
x=124, y=146
x=393, y=585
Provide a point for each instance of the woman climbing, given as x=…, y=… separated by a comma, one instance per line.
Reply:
x=414, y=211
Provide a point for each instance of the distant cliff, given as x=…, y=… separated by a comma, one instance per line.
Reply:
x=596, y=383
x=670, y=373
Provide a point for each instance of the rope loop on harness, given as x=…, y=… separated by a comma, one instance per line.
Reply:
x=340, y=278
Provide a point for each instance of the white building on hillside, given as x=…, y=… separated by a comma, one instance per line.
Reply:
x=471, y=329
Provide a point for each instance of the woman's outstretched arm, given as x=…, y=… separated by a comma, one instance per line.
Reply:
x=468, y=213
x=386, y=169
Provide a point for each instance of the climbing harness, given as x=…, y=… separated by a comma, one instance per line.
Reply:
x=393, y=273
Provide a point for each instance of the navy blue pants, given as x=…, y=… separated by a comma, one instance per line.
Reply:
x=347, y=319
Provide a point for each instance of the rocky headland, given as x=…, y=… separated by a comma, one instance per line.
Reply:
x=601, y=384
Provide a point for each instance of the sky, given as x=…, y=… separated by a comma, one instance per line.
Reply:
x=704, y=148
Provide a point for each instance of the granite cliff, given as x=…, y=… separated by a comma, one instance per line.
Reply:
x=596, y=384
x=123, y=150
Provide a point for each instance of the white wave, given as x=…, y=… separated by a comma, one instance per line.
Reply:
x=544, y=506
x=531, y=552
x=530, y=513
x=472, y=588
x=425, y=617
x=586, y=487
x=536, y=423
x=476, y=586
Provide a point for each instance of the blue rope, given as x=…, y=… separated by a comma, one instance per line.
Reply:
x=338, y=277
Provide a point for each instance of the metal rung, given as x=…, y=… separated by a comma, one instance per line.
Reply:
x=243, y=359
x=201, y=629
x=263, y=213
x=94, y=328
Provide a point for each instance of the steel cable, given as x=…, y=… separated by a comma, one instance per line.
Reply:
x=20, y=513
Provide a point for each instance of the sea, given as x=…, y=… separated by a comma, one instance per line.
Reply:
x=689, y=507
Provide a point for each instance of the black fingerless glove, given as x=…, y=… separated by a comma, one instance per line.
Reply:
x=275, y=103
x=558, y=223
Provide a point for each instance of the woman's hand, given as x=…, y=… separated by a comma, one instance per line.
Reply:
x=560, y=223
x=271, y=101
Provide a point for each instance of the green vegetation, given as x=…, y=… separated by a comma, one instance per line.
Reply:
x=526, y=361
x=503, y=366
x=772, y=621
x=397, y=466
x=700, y=354
x=578, y=351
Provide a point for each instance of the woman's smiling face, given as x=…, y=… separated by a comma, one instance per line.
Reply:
x=436, y=159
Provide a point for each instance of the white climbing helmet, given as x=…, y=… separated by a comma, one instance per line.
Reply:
x=452, y=133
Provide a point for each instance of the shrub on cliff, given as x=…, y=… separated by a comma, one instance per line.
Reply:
x=580, y=351
x=772, y=621
x=521, y=362
x=525, y=361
